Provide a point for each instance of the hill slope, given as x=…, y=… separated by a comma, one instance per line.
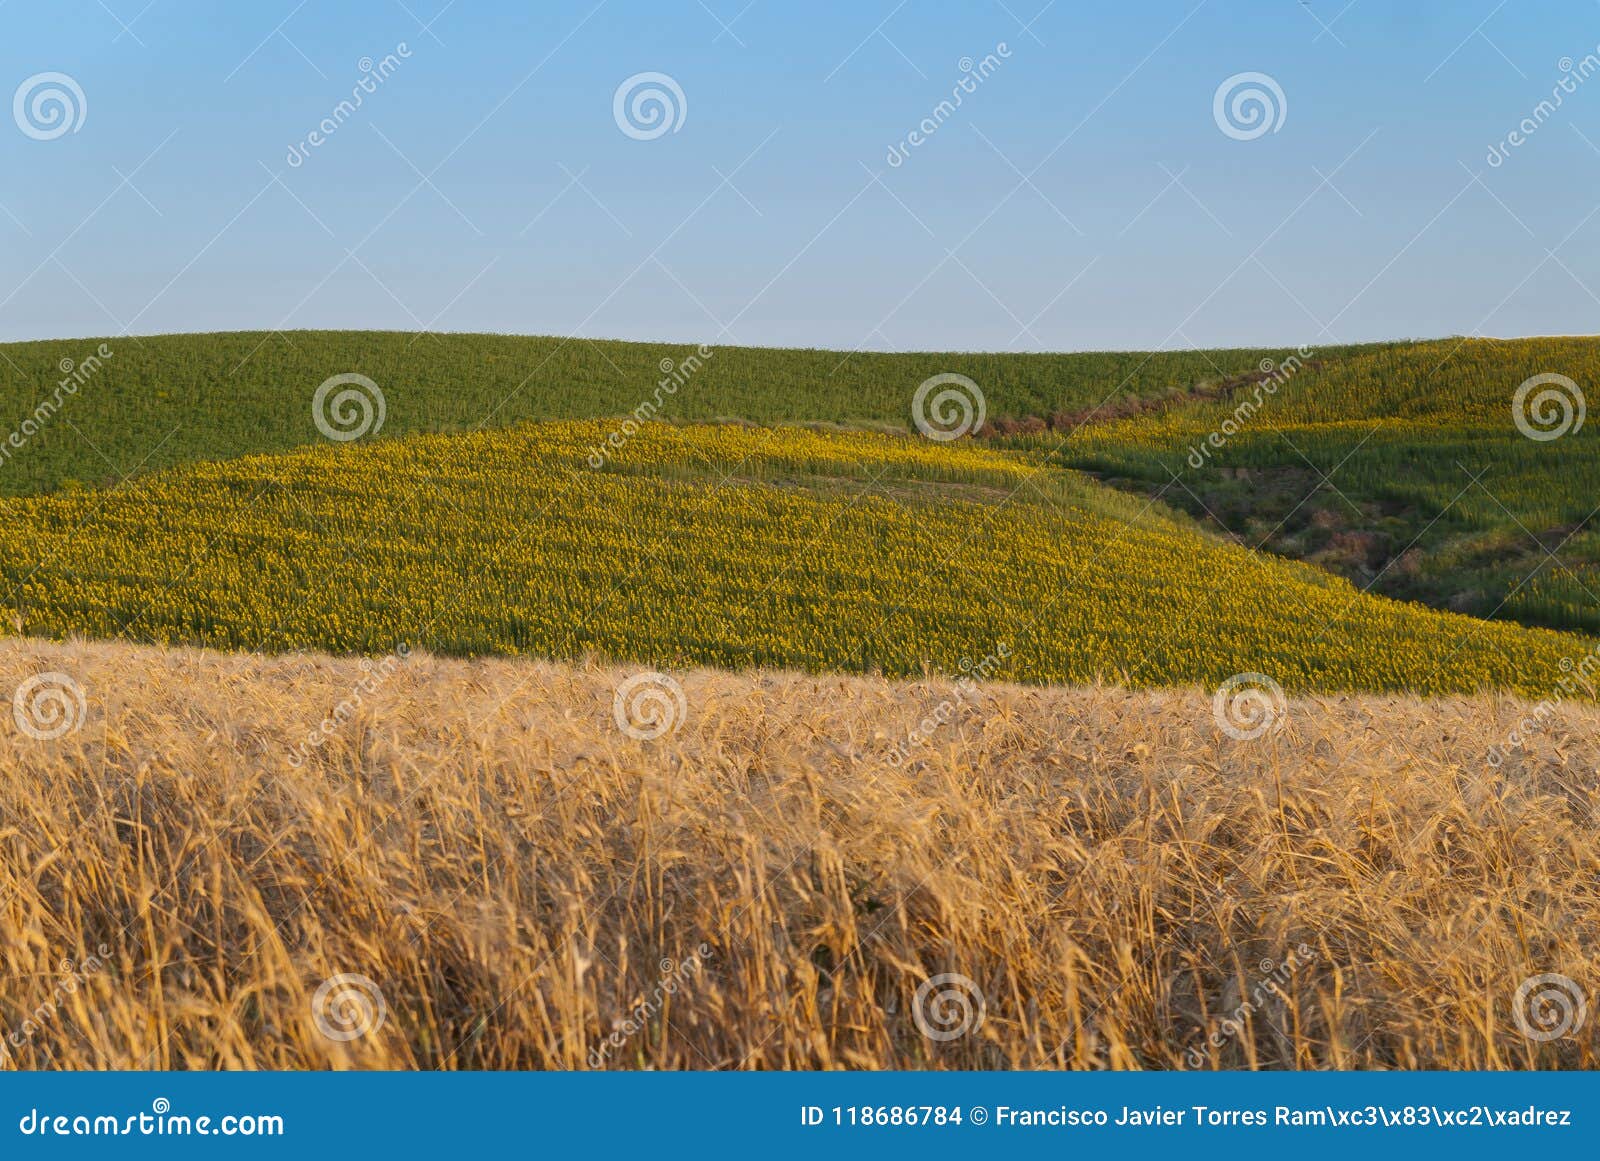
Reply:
x=168, y=399
x=1411, y=469
x=719, y=545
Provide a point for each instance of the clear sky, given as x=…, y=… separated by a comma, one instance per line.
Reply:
x=1087, y=192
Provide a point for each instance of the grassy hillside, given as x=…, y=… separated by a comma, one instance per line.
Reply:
x=1432, y=493
x=1104, y=877
x=718, y=545
x=177, y=398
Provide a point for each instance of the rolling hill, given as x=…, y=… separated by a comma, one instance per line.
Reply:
x=1412, y=470
x=721, y=545
x=529, y=730
x=155, y=401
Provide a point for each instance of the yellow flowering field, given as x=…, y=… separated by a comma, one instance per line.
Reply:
x=721, y=545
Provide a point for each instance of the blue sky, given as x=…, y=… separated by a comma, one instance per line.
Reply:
x=1083, y=194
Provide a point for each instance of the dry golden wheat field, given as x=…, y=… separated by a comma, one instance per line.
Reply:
x=479, y=869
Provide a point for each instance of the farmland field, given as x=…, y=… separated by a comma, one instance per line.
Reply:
x=167, y=399
x=770, y=683
x=1403, y=469
x=1115, y=878
x=1397, y=465
x=919, y=547
x=719, y=545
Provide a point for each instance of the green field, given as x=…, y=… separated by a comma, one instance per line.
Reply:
x=172, y=399
x=1401, y=469
x=182, y=492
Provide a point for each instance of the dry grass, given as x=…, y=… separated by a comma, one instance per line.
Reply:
x=483, y=842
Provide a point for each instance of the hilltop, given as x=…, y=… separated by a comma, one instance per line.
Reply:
x=156, y=401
